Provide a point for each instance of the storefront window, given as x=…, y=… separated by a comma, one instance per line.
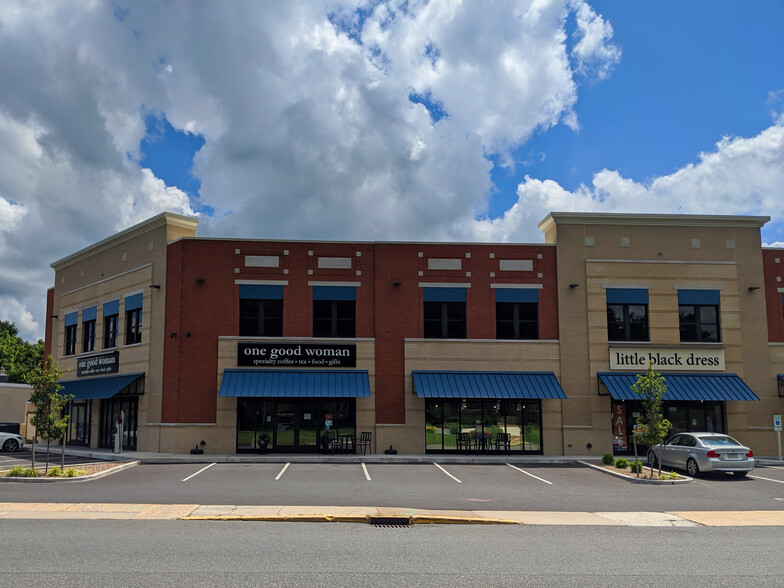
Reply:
x=480, y=422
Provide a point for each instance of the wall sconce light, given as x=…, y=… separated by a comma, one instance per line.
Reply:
x=752, y=288
x=188, y=334
x=199, y=280
x=396, y=284
x=573, y=285
x=172, y=335
x=52, y=316
x=156, y=286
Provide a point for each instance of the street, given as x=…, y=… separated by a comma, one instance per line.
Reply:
x=194, y=553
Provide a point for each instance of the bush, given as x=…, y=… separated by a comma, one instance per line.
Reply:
x=73, y=472
x=55, y=472
x=636, y=467
x=607, y=459
x=672, y=476
x=454, y=428
x=621, y=463
x=16, y=472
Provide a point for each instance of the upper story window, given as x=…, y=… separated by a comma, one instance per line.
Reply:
x=444, y=313
x=261, y=310
x=70, y=332
x=88, y=329
x=111, y=315
x=627, y=314
x=698, y=315
x=133, y=319
x=334, y=311
x=516, y=313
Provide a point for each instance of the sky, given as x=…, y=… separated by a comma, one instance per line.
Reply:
x=376, y=120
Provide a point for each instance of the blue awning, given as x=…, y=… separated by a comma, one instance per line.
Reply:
x=498, y=385
x=295, y=384
x=682, y=387
x=103, y=387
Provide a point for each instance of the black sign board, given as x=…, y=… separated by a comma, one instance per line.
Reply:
x=297, y=355
x=107, y=363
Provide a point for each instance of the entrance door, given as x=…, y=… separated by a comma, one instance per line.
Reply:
x=286, y=438
x=111, y=409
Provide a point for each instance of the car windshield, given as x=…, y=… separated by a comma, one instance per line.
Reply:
x=719, y=440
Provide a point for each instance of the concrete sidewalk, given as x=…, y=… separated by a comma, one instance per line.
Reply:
x=383, y=515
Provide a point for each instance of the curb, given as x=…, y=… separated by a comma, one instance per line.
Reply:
x=364, y=519
x=45, y=480
x=634, y=480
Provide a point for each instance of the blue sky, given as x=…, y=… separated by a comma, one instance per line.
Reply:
x=377, y=120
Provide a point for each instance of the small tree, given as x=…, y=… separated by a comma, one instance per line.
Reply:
x=652, y=427
x=48, y=419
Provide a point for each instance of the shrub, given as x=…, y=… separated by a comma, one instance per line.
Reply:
x=16, y=472
x=73, y=472
x=636, y=467
x=672, y=476
x=454, y=428
x=55, y=472
x=621, y=463
x=607, y=459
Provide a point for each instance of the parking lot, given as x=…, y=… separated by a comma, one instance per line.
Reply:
x=430, y=485
x=22, y=458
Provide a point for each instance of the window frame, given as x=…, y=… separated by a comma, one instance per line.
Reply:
x=342, y=321
x=70, y=340
x=516, y=321
x=268, y=320
x=698, y=322
x=450, y=313
x=626, y=322
x=133, y=328
x=110, y=330
x=88, y=336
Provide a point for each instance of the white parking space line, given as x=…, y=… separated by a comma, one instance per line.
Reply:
x=197, y=473
x=529, y=474
x=774, y=467
x=285, y=467
x=366, y=473
x=447, y=473
x=768, y=479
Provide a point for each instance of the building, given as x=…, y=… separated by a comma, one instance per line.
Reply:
x=240, y=345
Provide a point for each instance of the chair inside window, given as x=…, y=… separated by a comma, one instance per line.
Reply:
x=364, y=442
x=330, y=442
x=464, y=442
x=503, y=441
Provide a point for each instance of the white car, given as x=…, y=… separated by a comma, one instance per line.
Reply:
x=10, y=441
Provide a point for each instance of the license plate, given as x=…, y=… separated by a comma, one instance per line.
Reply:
x=732, y=455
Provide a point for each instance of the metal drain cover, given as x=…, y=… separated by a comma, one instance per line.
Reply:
x=390, y=521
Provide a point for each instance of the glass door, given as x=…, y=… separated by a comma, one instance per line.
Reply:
x=286, y=426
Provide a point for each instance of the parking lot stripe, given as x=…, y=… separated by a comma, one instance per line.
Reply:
x=285, y=467
x=447, y=473
x=197, y=473
x=768, y=479
x=529, y=474
x=366, y=473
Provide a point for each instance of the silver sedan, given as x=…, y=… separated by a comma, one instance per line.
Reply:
x=703, y=452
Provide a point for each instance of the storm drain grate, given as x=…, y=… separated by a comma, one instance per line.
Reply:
x=390, y=522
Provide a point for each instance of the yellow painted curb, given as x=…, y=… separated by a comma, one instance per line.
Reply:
x=436, y=520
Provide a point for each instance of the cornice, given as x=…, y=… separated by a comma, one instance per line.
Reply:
x=669, y=220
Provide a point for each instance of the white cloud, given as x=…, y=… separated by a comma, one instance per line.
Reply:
x=741, y=176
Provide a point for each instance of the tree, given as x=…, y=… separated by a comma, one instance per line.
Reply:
x=17, y=356
x=652, y=427
x=49, y=422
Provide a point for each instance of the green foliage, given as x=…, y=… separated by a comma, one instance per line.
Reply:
x=607, y=459
x=47, y=400
x=454, y=428
x=73, y=472
x=672, y=476
x=621, y=463
x=652, y=427
x=17, y=356
x=16, y=472
x=636, y=467
x=55, y=472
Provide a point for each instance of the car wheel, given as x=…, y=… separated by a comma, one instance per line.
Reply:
x=10, y=445
x=692, y=467
x=652, y=461
x=740, y=474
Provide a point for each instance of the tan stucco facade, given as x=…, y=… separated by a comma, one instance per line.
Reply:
x=130, y=262
x=660, y=254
